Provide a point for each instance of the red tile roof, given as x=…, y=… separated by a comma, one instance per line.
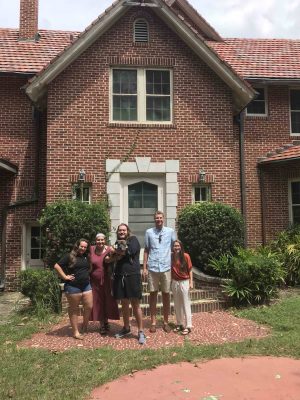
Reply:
x=286, y=153
x=29, y=56
x=261, y=58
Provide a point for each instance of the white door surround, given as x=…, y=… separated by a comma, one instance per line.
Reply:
x=164, y=173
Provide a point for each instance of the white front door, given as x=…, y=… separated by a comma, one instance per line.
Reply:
x=142, y=196
x=33, y=251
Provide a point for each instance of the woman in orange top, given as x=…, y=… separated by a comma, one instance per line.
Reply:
x=182, y=281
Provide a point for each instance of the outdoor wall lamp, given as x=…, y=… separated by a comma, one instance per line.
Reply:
x=81, y=175
x=202, y=174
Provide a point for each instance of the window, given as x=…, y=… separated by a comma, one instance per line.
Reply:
x=295, y=111
x=33, y=251
x=295, y=202
x=141, y=95
x=258, y=105
x=201, y=193
x=82, y=192
x=141, y=32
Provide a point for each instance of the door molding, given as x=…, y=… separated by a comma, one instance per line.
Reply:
x=141, y=169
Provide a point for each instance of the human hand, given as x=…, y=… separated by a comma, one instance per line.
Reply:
x=69, y=277
x=191, y=284
x=145, y=274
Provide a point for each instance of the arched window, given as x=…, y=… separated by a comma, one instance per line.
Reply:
x=141, y=31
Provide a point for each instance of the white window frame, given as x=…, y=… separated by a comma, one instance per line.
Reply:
x=82, y=186
x=290, y=201
x=27, y=261
x=141, y=96
x=206, y=187
x=290, y=109
x=255, y=100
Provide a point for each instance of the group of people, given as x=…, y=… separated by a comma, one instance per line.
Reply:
x=99, y=276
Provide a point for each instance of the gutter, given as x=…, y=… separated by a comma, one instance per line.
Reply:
x=21, y=203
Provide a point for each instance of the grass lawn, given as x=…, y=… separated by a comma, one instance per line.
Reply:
x=32, y=374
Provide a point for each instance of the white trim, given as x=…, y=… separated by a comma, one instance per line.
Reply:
x=118, y=172
x=140, y=95
x=26, y=260
x=290, y=202
x=207, y=187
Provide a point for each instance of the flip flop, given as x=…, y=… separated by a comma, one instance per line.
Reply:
x=186, y=331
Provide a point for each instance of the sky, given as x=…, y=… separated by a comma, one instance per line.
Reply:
x=230, y=18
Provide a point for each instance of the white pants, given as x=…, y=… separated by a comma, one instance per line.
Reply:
x=182, y=303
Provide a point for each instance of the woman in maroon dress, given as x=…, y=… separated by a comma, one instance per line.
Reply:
x=104, y=305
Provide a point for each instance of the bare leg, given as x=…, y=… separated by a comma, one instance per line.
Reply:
x=137, y=311
x=125, y=312
x=74, y=300
x=153, y=301
x=166, y=306
x=87, y=301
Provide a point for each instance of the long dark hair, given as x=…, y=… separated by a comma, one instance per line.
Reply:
x=74, y=251
x=181, y=258
x=128, y=230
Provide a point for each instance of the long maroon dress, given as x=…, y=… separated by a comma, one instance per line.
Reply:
x=104, y=305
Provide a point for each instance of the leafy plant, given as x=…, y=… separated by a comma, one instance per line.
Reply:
x=209, y=230
x=64, y=222
x=42, y=287
x=254, y=275
x=287, y=247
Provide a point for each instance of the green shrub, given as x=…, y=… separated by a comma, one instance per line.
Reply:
x=42, y=287
x=287, y=247
x=254, y=275
x=209, y=230
x=64, y=222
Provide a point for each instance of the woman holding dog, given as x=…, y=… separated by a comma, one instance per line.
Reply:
x=105, y=306
x=127, y=283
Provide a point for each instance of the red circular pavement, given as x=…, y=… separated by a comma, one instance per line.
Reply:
x=255, y=378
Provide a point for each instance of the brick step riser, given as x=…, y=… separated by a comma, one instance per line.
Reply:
x=194, y=295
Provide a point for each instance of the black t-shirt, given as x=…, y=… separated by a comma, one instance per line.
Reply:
x=80, y=270
x=130, y=263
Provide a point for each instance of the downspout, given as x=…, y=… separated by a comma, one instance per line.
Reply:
x=21, y=203
x=262, y=203
x=240, y=120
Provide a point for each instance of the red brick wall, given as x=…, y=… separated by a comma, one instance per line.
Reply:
x=80, y=136
x=264, y=134
x=18, y=145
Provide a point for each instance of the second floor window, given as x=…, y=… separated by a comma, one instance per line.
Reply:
x=141, y=95
x=295, y=111
x=258, y=105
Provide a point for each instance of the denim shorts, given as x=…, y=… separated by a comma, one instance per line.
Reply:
x=75, y=290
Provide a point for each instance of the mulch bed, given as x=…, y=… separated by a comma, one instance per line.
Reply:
x=209, y=328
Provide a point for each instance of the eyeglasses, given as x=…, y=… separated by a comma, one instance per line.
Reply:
x=159, y=238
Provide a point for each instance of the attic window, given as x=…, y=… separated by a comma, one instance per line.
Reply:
x=141, y=31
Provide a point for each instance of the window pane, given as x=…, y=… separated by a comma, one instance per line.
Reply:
x=204, y=194
x=197, y=194
x=295, y=120
x=295, y=99
x=142, y=195
x=86, y=194
x=158, y=108
x=35, y=254
x=158, y=82
x=124, y=108
x=256, y=107
x=296, y=214
x=124, y=81
x=296, y=192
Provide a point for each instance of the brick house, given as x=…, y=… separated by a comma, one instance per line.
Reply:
x=151, y=107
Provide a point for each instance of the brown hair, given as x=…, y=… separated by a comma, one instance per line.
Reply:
x=182, y=260
x=128, y=230
x=74, y=251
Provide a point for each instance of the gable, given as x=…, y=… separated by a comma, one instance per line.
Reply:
x=242, y=92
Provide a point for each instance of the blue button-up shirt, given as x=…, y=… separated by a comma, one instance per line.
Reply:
x=158, y=243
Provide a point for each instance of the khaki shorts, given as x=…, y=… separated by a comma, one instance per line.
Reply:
x=162, y=279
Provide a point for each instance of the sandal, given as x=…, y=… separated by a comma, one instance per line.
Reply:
x=186, y=331
x=178, y=328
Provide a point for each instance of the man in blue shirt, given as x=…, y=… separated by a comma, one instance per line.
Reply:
x=157, y=266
